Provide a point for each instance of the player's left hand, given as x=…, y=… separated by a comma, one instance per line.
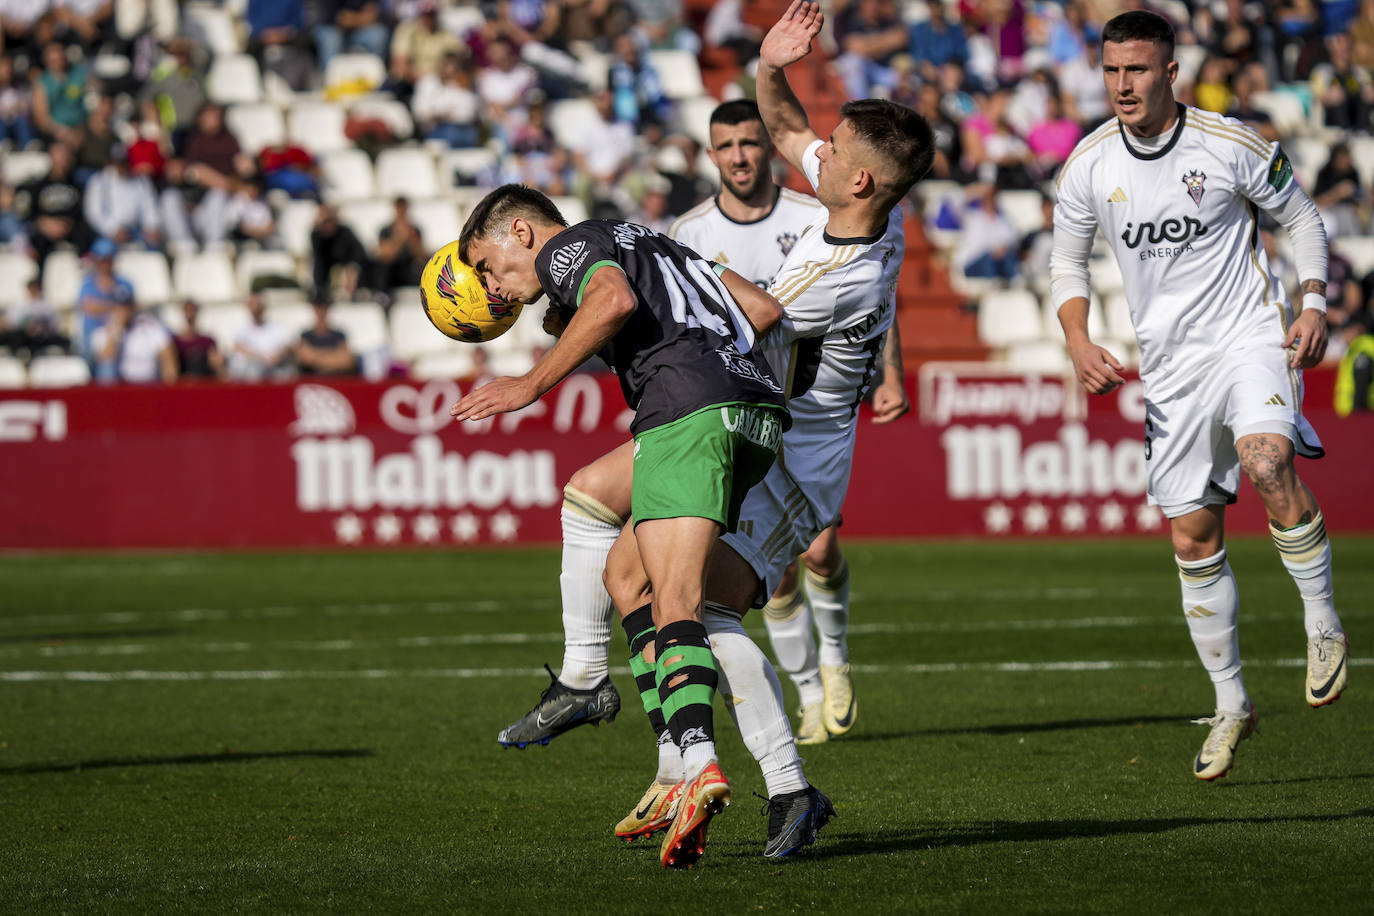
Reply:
x=500, y=395
x=1306, y=339
x=554, y=322
x=890, y=402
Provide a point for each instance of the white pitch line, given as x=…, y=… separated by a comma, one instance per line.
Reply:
x=373, y=674
x=389, y=609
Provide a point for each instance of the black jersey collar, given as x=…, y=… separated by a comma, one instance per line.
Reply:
x=1163, y=150
x=861, y=240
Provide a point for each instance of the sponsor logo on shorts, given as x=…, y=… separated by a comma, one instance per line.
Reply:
x=758, y=426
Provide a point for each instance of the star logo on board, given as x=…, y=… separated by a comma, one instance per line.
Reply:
x=997, y=518
x=504, y=526
x=1110, y=516
x=387, y=528
x=1147, y=517
x=348, y=528
x=1035, y=518
x=1073, y=517
x=465, y=527
x=425, y=528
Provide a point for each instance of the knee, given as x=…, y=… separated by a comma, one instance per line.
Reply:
x=627, y=591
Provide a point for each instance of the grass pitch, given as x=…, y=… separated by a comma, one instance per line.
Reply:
x=317, y=733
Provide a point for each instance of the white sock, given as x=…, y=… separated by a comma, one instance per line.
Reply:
x=669, y=759
x=696, y=757
x=829, y=600
x=589, y=531
x=788, y=619
x=1211, y=605
x=753, y=695
x=1306, y=553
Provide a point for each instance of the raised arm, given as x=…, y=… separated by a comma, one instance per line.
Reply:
x=786, y=43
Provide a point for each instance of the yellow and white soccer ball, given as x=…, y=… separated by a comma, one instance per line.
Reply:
x=456, y=302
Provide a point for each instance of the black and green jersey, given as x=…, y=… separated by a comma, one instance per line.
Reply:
x=686, y=346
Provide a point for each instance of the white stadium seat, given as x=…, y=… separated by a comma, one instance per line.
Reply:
x=12, y=373
x=294, y=222
x=317, y=126
x=148, y=273
x=347, y=175
x=234, y=78
x=255, y=125
x=366, y=218
x=452, y=363
x=1038, y=356
x=679, y=73
x=363, y=323
x=1362, y=151
x=58, y=372
x=1284, y=108
x=1358, y=250
x=1007, y=316
x=1097, y=318
x=212, y=26
x=463, y=166
x=407, y=171
x=571, y=120
x=205, y=277
x=294, y=316
x=62, y=277
x=350, y=66
x=395, y=114
x=16, y=270
x=572, y=208
x=439, y=222
x=22, y=165
x=1308, y=154
x=223, y=321
x=257, y=262
x=1022, y=209
x=1105, y=275
x=412, y=334
x=1117, y=313
x=695, y=115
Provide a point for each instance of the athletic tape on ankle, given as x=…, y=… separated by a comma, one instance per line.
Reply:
x=575, y=500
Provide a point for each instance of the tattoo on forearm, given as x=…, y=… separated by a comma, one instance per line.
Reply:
x=1313, y=286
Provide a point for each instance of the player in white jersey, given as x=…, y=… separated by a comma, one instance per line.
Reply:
x=729, y=230
x=1176, y=193
x=838, y=289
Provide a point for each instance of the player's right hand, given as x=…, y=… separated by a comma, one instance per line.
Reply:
x=789, y=40
x=553, y=322
x=1097, y=369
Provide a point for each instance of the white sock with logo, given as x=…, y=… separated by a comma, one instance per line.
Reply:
x=1306, y=554
x=669, y=759
x=589, y=531
x=829, y=600
x=753, y=696
x=1211, y=606
x=788, y=619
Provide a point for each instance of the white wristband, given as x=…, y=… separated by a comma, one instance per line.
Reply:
x=1315, y=302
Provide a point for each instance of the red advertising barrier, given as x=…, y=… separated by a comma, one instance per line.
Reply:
x=986, y=453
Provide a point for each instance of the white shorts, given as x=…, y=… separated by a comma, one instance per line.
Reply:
x=1190, y=439
x=776, y=525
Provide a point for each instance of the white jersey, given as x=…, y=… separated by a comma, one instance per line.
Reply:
x=839, y=299
x=753, y=250
x=1183, y=223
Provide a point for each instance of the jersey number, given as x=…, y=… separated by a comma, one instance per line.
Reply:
x=689, y=310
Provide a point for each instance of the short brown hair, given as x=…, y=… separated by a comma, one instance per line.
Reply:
x=498, y=208
x=900, y=137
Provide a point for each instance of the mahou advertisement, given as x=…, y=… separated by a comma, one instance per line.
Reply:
x=985, y=453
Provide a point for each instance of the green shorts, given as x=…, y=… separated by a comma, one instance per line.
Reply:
x=703, y=464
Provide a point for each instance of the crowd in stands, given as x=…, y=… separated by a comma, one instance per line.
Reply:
x=249, y=189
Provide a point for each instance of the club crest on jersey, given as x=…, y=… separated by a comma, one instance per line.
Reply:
x=1193, y=179
x=567, y=259
x=786, y=241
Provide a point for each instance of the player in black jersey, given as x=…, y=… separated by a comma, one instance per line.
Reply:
x=680, y=333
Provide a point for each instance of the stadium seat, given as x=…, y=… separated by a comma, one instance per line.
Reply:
x=363, y=323
x=1022, y=209
x=695, y=115
x=234, y=78
x=317, y=126
x=1308, y=154
x=463, y=166
x=1117, y=314
x=223, y=321
x=395, y=114
x=294, y=222
x=295, y=316
x=16, y=270
x=205, y=277
x=1105, y=274
x=347, y=175
x=258, y=262
x=594, y=68
x=1284, y=108
x=353, y=67
x=1038, y=356
x=1358, y=250
x=62, y=277
x=511, y=362
x=366, y=218
x=1190, y=59
x=23, y=165
x=679, y=73
x=255, y=125
x=439, y=222
x=1097, y=318
x=148, y=272
x=571, y=120
x=412, y=335
x=461, y=19
x=58, y=372
x=529, y=331
x=12, y=373
x=1007, y=316
x=572, y=208
x=1362, y=151
x=452, y=363
x=407, y=171
x=211, y=25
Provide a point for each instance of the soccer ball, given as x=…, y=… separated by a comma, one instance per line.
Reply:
x=456, y=302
